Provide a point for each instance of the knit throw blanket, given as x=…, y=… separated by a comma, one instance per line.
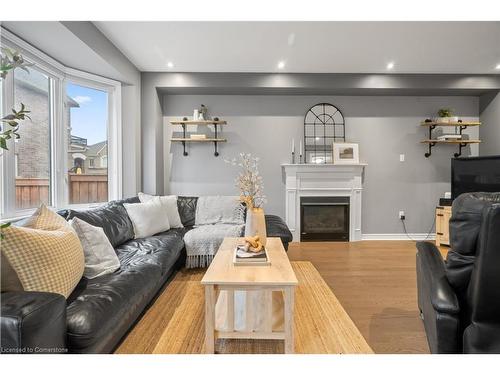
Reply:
x=216, y=217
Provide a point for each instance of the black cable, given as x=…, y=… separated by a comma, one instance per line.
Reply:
x=428, y=233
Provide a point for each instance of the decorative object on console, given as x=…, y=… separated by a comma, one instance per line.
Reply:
x=293, y=151
x=345, y=153
x=323, y=125
x=43, y=255
x=196, y=115
x=249, y=182
x=148, y=218
x=169, y=203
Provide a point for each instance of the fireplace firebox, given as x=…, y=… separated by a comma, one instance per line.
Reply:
x=324, y=218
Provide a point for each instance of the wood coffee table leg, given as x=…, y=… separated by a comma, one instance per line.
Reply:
x=210, y=319
x=288, y=312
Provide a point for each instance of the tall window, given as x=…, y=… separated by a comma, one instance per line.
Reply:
x=70, y=151
x=32, y=150
x=87, y=124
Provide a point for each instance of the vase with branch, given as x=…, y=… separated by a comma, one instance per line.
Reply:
x=250, y=185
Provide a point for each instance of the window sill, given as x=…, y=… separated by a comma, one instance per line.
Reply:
x=28, y=212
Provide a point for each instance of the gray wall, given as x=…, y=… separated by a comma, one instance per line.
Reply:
x=489, y=106
x=384, y=127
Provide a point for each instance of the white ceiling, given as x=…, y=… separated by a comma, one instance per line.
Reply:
x=309, y=47
x=54, y=39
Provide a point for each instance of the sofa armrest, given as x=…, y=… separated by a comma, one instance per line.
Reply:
x=442, y=296
x=33, y=322
x=276, y=227
x=437, y=302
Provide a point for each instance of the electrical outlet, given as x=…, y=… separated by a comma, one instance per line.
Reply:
x=401, y=157
x=401, y=215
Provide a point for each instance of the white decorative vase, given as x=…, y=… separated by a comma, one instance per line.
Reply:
x=256, y=224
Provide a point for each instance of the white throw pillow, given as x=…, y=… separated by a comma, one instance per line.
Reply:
x=170, y=204
x=148, y=218
x=100, y=257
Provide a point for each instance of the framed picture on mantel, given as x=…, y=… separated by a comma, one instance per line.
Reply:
x=345, y=153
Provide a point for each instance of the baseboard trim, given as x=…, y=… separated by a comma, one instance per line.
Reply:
x=397, y=236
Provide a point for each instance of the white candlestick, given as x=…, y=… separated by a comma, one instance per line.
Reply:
x=300, y=148
x=293, y=145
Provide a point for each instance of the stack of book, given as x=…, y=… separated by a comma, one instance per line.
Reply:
x=449, y=137
x=243, y=257
x=198, y=136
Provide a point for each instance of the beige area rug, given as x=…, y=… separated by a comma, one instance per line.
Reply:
x=174, y=324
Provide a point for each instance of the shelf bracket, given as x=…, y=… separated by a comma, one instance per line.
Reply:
x=183, y=142
x=216, y=153
x=431, y=145
x=460, y=146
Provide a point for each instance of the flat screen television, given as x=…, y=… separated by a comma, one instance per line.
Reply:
x=475, y=174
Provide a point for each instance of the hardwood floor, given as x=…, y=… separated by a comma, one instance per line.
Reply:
x=174, y=324
x=375, y=281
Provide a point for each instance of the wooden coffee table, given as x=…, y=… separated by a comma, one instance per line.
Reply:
x=249, y=302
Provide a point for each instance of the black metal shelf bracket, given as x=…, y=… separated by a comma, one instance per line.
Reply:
x=184, y=142
x=431, y=145
x=184, y=136
x=460, y=146
x=216, y=153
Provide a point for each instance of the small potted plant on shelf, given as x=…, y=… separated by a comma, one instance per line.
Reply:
x=446, y=115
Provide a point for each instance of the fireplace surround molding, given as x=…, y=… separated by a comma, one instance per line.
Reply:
x=323, y=180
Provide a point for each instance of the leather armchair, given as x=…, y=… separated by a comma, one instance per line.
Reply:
x=437, y=301
x=459, y=299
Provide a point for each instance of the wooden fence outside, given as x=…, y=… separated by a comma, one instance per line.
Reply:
x=83, y=188
x=31, y=192
x=88, y=188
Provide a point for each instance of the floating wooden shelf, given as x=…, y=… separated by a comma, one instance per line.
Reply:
x=454, y=141
x=184, y=122
x=199, y=140
x=461, y=125
x=454, y=124
x=198, y=122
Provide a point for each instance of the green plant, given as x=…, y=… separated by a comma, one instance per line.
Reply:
x=11, y=60
x=13, y=121
x=445, y=112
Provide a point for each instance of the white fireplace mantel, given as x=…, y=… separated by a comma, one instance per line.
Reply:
x=326, y=180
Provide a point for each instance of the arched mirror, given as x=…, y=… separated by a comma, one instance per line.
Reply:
x=323, y=125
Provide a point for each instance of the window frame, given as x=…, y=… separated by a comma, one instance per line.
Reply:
x=59, y=76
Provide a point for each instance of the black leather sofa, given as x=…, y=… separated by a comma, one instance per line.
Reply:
x=99, y=312
x=459, y=298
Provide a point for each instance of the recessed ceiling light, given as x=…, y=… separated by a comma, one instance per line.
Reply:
x=497, y=67
x=170, y=64
x=281, y=64
x=390, y=66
